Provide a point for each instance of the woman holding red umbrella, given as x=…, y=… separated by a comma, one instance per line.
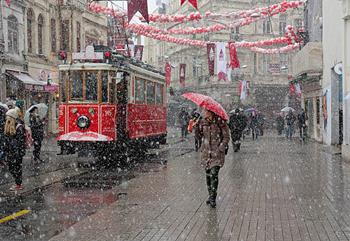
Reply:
x=215, y=135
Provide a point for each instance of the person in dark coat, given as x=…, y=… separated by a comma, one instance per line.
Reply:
x=279, y=124
x=184, y=119
x=253, y=125
x=15, y=147
x=215, y=136
x=237, y=124
x=193, y=126
x=37, y=128
x=302, y=124
x=2, y=136
x=290, y=119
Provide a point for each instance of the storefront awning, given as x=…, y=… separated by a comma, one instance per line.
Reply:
x=34, y=85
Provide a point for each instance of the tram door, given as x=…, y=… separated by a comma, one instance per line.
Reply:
x=122, y=100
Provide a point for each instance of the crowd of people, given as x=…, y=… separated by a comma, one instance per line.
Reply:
x=288, y=123
x=16, y=137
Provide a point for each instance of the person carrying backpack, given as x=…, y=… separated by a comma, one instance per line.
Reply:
x=215, y=136
x=15, y=147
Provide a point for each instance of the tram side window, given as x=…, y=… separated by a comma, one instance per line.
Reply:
x=77, y=86
x=91, y=86
x=159, y=94
x=105, y=86
x=63, y=86
x=150, y=93
x=140, y=91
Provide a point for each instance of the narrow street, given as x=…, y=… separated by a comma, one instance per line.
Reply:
x=273, y=189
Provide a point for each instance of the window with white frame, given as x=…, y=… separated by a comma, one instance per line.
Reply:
x=12, y=34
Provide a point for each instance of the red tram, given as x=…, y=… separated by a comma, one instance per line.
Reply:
x=110, y=104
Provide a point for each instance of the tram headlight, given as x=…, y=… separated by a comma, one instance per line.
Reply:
x=83, y=122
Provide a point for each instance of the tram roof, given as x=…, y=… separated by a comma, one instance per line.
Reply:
x=119, y=62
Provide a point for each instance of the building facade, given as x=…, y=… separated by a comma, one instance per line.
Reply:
x=308, y=68
x=267, y=74
x=346, y=79
x=33, y=33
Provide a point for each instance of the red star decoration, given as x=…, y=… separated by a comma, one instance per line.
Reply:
x=135, y=6
x=193, y=2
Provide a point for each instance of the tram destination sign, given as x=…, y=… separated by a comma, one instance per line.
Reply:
x=89, y=54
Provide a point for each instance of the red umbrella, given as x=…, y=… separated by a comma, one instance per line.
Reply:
x=207, y=103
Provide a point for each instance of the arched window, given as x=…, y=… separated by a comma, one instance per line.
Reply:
x=53, y=35
x=40, y=33
x=30, y=19
x=12, y=34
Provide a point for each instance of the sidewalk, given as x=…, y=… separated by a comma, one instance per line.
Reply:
x=273, y=189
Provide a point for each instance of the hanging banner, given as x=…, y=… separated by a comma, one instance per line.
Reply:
x=135, y=6
x=211, y=58
x=243, y=89
x=221, y=61
x=138, y=52
x=291, y=88
x=182, y=74
x=193, y=2
x=167, y=73
x=325, y=111
x=234, y=62
x=8, y=2
x=298, y=89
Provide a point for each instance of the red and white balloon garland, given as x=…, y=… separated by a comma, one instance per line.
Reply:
x=244, y=18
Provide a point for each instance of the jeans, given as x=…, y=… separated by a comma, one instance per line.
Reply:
x=289, y=131
x=184, y=131
x=212, y=176
x=37, y=149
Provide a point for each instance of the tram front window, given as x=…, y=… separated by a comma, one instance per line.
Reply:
x=91, y=86
x=77, y=86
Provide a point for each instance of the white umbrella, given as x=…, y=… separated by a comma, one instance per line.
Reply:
x=4, y=106
x=42, y=112
x=287, y=109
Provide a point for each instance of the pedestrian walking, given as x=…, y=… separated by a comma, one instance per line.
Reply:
x=2, y=136
x=302, y=124
x=184, y=119
x=279, y=124
x=37, y=127
x=237, y=124
x=193, y=126
x=15, y=146
x=290, y=119
x=254, y=126
x=215, y=138
x=19, y=106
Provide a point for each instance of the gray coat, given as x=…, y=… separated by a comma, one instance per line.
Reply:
x=215, y=137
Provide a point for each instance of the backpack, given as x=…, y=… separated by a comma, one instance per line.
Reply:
x=28, y=136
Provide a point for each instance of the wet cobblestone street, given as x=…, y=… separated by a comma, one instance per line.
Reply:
x=274, y=189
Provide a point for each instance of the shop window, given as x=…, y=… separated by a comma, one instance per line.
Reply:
x=53, y=35
x=77, y=86
x=139, y=91
x=40, y=33
x=150, y=93
x=267, y=27
x=12, y=34
x=105, y=86
x=30, y=18
x=159, y=94
x=91, y=86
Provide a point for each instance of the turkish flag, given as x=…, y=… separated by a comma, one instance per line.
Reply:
x=234, y=62
x=193, y=2
x=211, y=58
x=135, y=6
x=182, y=74
x=292, y=88
x=8, y=2
x=167, y=73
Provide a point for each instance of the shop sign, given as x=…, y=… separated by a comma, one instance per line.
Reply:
x=51, y=88
x=275, y=68
x=28, y=87
x=38, y=88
